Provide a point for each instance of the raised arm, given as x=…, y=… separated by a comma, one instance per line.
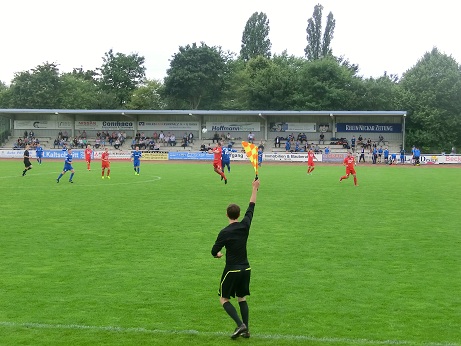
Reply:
x=254, y=191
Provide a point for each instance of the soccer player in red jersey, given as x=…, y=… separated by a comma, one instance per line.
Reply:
x=105, y=163
x=349, y=162
x=88, y=153
x=310, y=161
x=217, y=151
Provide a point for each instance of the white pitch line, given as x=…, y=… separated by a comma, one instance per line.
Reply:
x=195, y=332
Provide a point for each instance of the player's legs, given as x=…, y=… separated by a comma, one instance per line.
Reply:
x=71, y=175
x=355, y=179
x=88, y=164
x=344, y=177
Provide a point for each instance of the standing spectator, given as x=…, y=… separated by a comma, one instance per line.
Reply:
x=386, y=155
x=65, y=135
x=190, y=138
x=105, y=163
x=136, y=156
x=67, y=166
x=310, y=161
x=217, y=161
x=27, y=164
x=39, y=153
x=381, y=139
x=88, y=153
x=416, y=155
x=402, y=156
x=235, y=280
x=226, y=157
x=322, y=138
x=353, y=144
x=380, y=154
x=26, y=134
x=374, y=156
x=349, y=162
x=362, y=155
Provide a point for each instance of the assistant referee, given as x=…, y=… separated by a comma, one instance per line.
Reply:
x=235, y=280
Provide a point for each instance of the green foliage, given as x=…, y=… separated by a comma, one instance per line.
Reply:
x=431, y=94
x=129, y=262
x=196, y=76
x=255, y=38
x=317, y=46
x=121, y=74
x=37, y=88
x=147, y=96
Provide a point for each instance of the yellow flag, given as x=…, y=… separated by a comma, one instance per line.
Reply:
x=252, y=152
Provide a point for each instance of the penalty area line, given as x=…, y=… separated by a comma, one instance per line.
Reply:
x=140, y=330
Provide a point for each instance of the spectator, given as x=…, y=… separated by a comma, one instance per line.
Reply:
x=216, y=137
x=65, y=136
x=277, y=141
x=326, y=151
x=362, y=155
x=261, y=146
x=190, y=137
x=380, y=154
x=251, y=137
x=117, y=144
x=26, y=134
x=161, y=137
x=287, y=146
x=381, y=139
x=322, y=138
x=353, y=144
x=97, y=143
x=360, y=140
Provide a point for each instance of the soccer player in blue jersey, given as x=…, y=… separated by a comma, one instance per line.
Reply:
x=39, y=153
x=67, y=166
x=225, y=157
x=136, y=157
x=260, y=157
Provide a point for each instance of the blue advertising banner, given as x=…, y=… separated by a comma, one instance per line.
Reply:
x=59, y=154
x=368, y=127
x=189, y=156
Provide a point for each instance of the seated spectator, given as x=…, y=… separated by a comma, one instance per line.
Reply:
x=97, y=143
x=216, y=137
x=303, y=138
x=277, y=141
x=326, y=151
x=161, y=137
x=322, y=138
x=184, y=142
x=190, y=138
x=65, y=136
x=55, y=143
x=117, y=144
x=251, y=137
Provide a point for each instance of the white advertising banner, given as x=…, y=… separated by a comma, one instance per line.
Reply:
x=104, y=125
x=233, y=127
x=168, y=125
x=42, y=124
x=293, y=127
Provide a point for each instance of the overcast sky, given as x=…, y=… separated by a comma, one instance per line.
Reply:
x=378, y=35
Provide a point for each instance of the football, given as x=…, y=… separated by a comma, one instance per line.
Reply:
x=204, y=130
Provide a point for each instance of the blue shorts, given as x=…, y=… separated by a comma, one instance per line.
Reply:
x=136, y=163
x=67, y=167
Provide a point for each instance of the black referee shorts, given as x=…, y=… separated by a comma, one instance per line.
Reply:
x=27, y=163
x=235, y=283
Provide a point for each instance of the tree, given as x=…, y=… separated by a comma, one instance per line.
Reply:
x=431, y=95
x=37, y=88
x=121, y=74
x=255, y=38
x=79, y=91
x=195, y=77
x=147, y=96
x=318, y=47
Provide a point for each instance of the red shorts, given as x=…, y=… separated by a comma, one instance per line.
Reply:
x=217, y=165
x=311, y=164
x=105, y=165
x=87, y=158
x=350, y=170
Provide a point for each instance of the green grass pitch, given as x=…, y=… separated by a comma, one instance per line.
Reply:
x=127, y=261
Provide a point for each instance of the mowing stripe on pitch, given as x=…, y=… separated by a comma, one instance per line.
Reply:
x=195, y=332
